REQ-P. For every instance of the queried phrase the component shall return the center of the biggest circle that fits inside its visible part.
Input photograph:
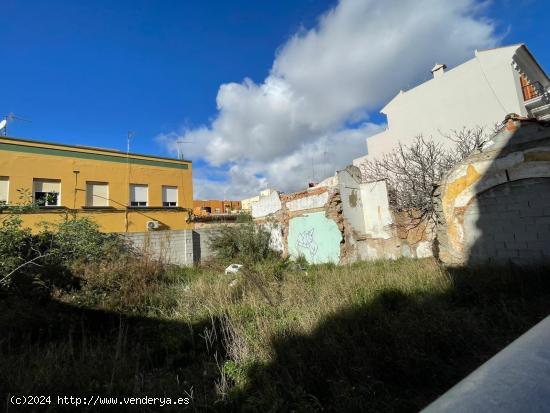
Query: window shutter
(169, 196)
(138, 195)
(47, 186)
(4, 185)
(97, 194)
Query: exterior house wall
(480, 92)
(246, 204)
(22, 161)
(222, 206)
(477, 93)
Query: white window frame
(138, 204)
(165, 202)
(7, 180)
(58, 194)
(90, 197)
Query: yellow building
(121, 192)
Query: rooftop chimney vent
(439, 69)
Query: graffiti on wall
(315, 237)
(307, 243)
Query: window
(138, 195)
(97, 194)
(169, 196)
(47, 192)
(4, 189)
(218, 210)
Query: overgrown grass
(379, 336)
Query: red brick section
(303, 194)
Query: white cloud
(359, 55)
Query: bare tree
(413, 171)
(469, 140)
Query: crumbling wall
(267, 205)
(344, 223)
(494, 207)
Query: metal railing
(532, 90)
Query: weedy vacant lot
(380, 336)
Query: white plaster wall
(480, 92)
(276, 241)
(308, 202)
(424, 249)
(246, 204)
(350, 194)
(376, 210)
(266, 205)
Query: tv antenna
(10, 117)
(128, 137)
(327, 167)
(179, 144)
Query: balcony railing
(532, 90)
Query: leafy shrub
(44, 260)
(244, 217)
(246, 242)
(14, 245)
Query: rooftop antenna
(327, 168)
(128, 137)
(10, 117)
(179, 144)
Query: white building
(246, 204)
(477, 93)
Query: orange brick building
(204, 207)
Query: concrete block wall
(184, 247)
(175, 247)
(201, 240)
(494, 207)
(510, 222)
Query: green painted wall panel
(316, 237)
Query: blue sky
(89, 71)
(86, 72)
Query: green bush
(244, 217)
(246, 242)
(14, 246)
(44, 260)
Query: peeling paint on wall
(349, 186)
(376, 210)
(308, 202)
(276, 241)
(315, 237)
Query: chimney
(438, 70)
